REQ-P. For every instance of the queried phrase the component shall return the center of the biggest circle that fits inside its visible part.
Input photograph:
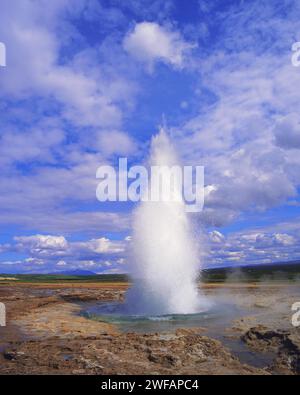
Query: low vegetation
(272, 272)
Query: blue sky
(88, 81)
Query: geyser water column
(165, 261)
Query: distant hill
(77, 272)
(271, 271)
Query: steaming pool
(215, 318)
(212, 323)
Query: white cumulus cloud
(149, 42)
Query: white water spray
(165, 262)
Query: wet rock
(285, 345)
(9, 355)
(262, 338)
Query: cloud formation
(55, 253)
(252, 247)
(87, 82)
(247, 135)
(149, 42)
(34, 66)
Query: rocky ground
(285, 344)
(46, 335)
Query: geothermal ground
(46, 334)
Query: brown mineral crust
(47, 335)
(284, 343)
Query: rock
(285, 345)
(78, 371)
(9, 355)
(261, 337)
(12, 355)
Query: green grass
(55, 278)
(272, 272)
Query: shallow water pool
(213, 323)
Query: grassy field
(56, 278)
(270, 272)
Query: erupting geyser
(165, 262)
